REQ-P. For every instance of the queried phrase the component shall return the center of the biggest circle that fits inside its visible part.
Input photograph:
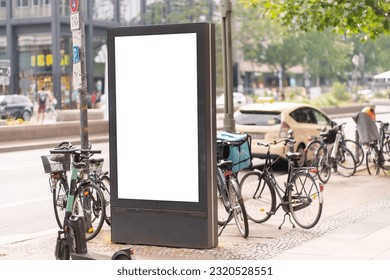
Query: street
(26, 203)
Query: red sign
(74, 5)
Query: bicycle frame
(268, 172)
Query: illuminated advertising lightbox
(162, 126)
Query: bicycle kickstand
(284, 219)
(223, 227)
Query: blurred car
(16, 106)
(366, 93)
(239, 99)
(271, 121)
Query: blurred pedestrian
(42, 95)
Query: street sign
(75, 21)
(76, 54)
(76, 37)
(77, 81)
(74, 5)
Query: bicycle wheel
(346, 164)
(386, 155)
(372, 161)
(104, 184)
(224, 216)
(324, 168)
(258, 195)
(238, 208)
(357, 151)
(310, 151)
(60, 197)
(305, 200)
(89, 203)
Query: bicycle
(329, 154)
(230, 202)
(351, 145)
(80, 197)
(301, 196)
(94, 172)
(378, 151)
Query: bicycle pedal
(90, 230)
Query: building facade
(36, 41)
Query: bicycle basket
(56, 163)
(329, 136)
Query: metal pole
(226, 10)
(77, 19)
(83, 91)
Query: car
(271, 121)
(239, 99)
(16, 106)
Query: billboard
(162, 132)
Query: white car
(239, 99)
(271, 121)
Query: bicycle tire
(372, 161)
(105, 185)
(346, 164)
(310, 153)
(224, 216)
(60, 198)
(324, 169)
(356, 149)
(89, 199)
(238, 208)
(258, 195)
(385, 160)
(305, 200)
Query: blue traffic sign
(76, 54)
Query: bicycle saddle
(295, 156)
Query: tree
(266, 42)
(368, 18)
(324, 55)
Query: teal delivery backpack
(239, 151)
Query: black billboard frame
(164, 222)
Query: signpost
(79, 65)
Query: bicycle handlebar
(285, 140)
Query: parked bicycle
(301, 195)
(378, 151)
(80, 197)
(230, 202)
(329, 153)
(94, 172)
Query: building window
(64, 8)
(3, 10)
(35, 62)
(31, 8)
(103, 10)
(130, 12)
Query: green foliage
(347, 17)
(337, 96)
